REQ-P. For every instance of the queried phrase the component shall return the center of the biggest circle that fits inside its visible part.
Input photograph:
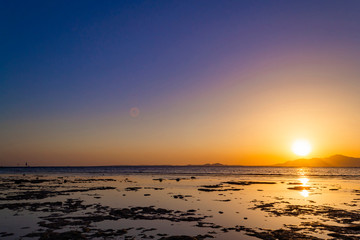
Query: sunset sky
(177, 82)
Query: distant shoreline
(334, 161)
(254, 166)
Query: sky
(177, 82)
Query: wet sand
(178, 207)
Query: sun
(301, 147)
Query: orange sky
(232, 82)
(228, 122)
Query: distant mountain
(213, 165)
(333, 161)
(208, 165)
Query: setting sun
(301, 147)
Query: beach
(173, 206)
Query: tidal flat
(136, 206)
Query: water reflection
(304, 193)
(302, 171)
(304, 180)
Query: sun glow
(301, 147)
(304, 181)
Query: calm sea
(187, 170)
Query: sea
(347, 173)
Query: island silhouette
(332, 161)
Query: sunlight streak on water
(348, 173)
(304, 193)
(301, 171)
(304, 181)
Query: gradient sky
(177, 82)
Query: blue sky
(90, 60)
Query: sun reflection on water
(304, 181)
(301, 171)
(304, 193)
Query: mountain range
(333, 161)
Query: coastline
(154, 206)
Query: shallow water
(310, 206)
(187, 170)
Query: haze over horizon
(177, 82)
